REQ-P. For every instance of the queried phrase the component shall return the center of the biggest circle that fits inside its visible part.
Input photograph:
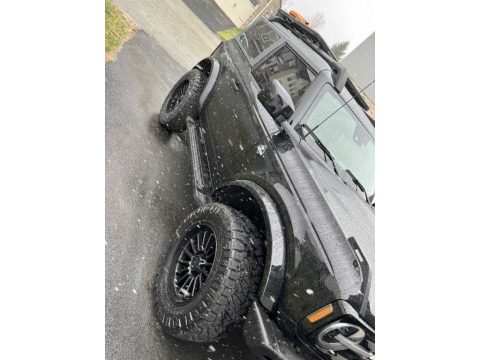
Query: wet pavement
(174, 26)
(147, 194)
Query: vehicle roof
(306, 53)
(320, 65)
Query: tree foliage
(287, 5)
(340, 48)
(318, 21)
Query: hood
(342, 215)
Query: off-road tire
(231, 286)
(175, 119)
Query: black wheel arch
(258, 205)
(210, 67)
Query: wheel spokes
(193, 246)
(177, 96)
(194, 263)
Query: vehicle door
(231, 121)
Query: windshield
(344, 136)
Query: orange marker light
(298, 16)
(320, 314)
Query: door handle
(235, 85)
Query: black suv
(282, 243)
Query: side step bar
(200, 188)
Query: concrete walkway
(174, 26)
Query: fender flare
(212, 67)
(273, 278)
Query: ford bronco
(282, 243)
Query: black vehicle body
(318, 228)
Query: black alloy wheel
(182, 101)
(177, 96)
(194, 263)
(210, 274)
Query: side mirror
(277, 101)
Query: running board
(200, 188)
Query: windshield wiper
(359, 185)
(329, 155)
(322, 146)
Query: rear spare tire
(182, 101)
(210, 274)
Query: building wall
(360, 64)
(210, 14)
(266, 7)
(237, 10)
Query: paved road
(147, 194)
(175, 28)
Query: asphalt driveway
(174, 27)
(147, 193)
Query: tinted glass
(345, 137)
(286, 67)
(258, 38)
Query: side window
(258, 38)
(286, 67)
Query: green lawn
(117, 29)
(229, 33)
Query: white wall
(360, 64)
(237, 10)
(346, 20)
